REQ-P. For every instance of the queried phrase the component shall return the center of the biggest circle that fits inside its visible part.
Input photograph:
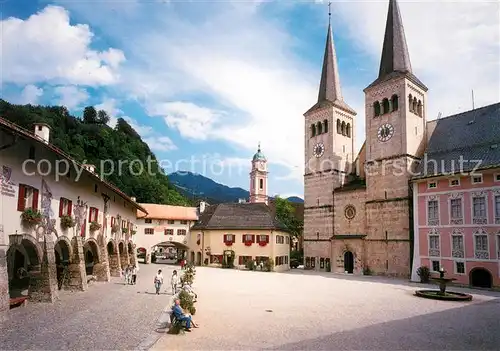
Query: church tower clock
(258, 178)
(329, 138)
(395, 107)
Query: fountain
(442, 294)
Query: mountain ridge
(196, 186)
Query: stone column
(115, 268)
(77, 275)
(4, 285)
(123, 259)
(101, 269)
(43, 277)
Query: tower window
(348, 130)
(313, 130)
(395, 102)
(342, 128)
(325, 126)
(261, 184)
(385, 105)
(339, 127)
(319, 128)
(343, 148)
(419, 108)
(415, 105)
(410, 103)
(376, 108)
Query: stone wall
(4, 285)
(344, 225)
(339, 247)
(43, 277)
(77, 276)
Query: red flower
(262, 243)
(248, 243)
(229, 243)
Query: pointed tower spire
(395, 56)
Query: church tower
(329, 138)
(258, 178)
(395, 107)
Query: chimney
(42, 131)
(133, 198)
(203, 204)
(90, 168)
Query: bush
(424, 273)
(192, 310)
(186, 300)
(269, 265)
(249, 265)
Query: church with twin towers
(357, 211)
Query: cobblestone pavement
(108, 316)
(241, 310)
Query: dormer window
(455, 182)
(477, 179)
(432, 185)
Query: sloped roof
(472, 136)
(17, 130)
(156, 211)
(243, 216)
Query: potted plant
(67, 222)
(424, 273)
(132, 232)
(94, 226)
(31, 216)
(114, 228)
(124, 230)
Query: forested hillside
(89, 139)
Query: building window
(248, 238)
(243, 260)
(435, 266)
(65, 207)
(313, 130)
(148, 221)
(497, 209)
(169, 232)
(455, 182)
(181, 231)
(456, 216)
(263, 238)
(261, 184)
(496, 177)
(184, 222)
(479, 210)
(376, 108)
(287, 240)
(93, 214)
(433, 212)
(31, 154)
(124, 223)
(481, 246)
(498, 246)
(149, 231)
(27, 198)
(459, 268)
(477, 179)
(431, 185)
(434, 245)
(457, 248)
(171, 221)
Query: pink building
(456, 199)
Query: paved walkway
(241, 310)
(108, 316)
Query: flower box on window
(229, 239)
(125, 230)
(31, 216)
(67, 222)
(94, 226)
(263, 240)
(114, 228)
(248, 239)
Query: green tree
(102, 117)
(285, 212)
(90, 115)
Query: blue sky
(204, 82)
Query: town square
(226, 177)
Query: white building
(163, 226)
(54, 218)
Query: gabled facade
(57, 224)
(456, 199)
(164, 226)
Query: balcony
(433, 222)
(456, 221)
(434, 252)
(479, 220)
(458, 253)
(482, 255)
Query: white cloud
(46, 47)
(31, 94)
(161, 143)
(71, 96)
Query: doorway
(348, 262)
(480, 278)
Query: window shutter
(20, 199)
(224, 238)
(267, 239)
(35, 199)
(70, 207)
(243, 238)
(234, 238)
(96, 215)
(112, 221)
(253, 238)
(240, 260)
(90, 214)
(61, 206)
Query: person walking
(135, 269)
(174, 281)
(158, 281)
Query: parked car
(294, 263)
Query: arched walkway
(91, 254)
(23, 259)
(348, 262)
(115, 267)
(480, 278)
(123, 254)
(62, 251)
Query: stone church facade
(357, 215)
